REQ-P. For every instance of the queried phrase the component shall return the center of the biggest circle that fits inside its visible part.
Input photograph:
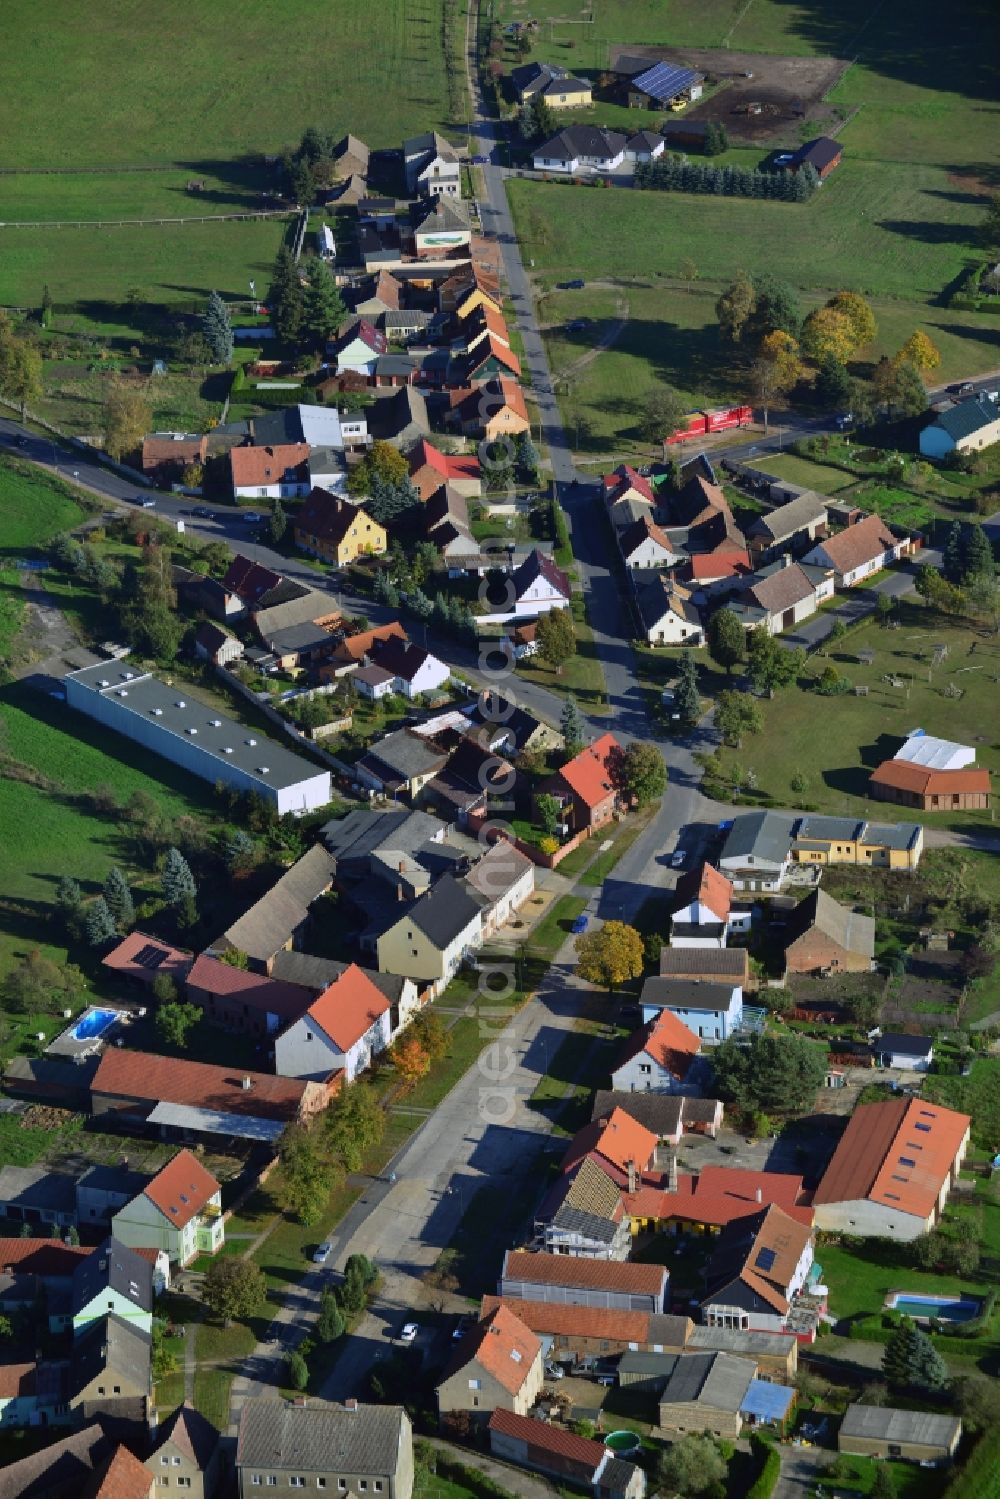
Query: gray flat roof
(212, 1122)
(765, 835)
(717, 1380)
(231, 743)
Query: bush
(764, 1484)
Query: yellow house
(543, 80)
(431, 940)
(844, 840)
(336, 530)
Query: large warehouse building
(182, 729)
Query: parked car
(844, 421)
(579, 925)
(322, 1252)
(479, 161)
(554, 1371)
(202, 512)
(460, 1329)
(146, 502)
(252, 517)
(677, 858)
(409, 1333)
(576, 285)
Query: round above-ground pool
(622, 1443)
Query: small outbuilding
(884, 1431)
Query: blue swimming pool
(93, 1023)
(943, 1308)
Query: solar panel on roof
(765, 1259)
(149, 956)
(665, 80)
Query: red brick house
(165, 455)
(586, 785)
(927, 789)
(826, 937)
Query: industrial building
(166, 721)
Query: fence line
(203, 218)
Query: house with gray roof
(825, 937)
(401, 762)
(34, 1194)
(704, 1394)
(782, 594)
(796, 523)
(544, 80)
(111, 1371)
(581, 150)
(966, 427)
(670, 1116)
(431, 166)
(757, 849)
(714, 1012)
(112, 1279)
(345, 1449)
(435, 935)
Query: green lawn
(582, 676)
(861, 1278)
(247, 77)
(92, 269)
(819, 476)
(978, 1095)
(858, 733)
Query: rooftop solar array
(665, 80)
(150, 956)
(765, 1259)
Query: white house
(644, 544)
(757, 850)
(645, 145)
(713, 1011)
(179, 1211)
(783, 595)
(857, 552)
(667, 614)
(278, 471)
(357, 350)
(659, 1058)
(533, 588)
(910, 1053)
(431, 166)
(965, 428)
(761, 1262)
(505, 878)
(413, 669)
(342, 1030)
(581, 150)
(701, 916)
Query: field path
(608, 339)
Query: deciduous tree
(410, 1060)
(726, 639)
(734, 307)
(643, 773)
(828, 332)
(307, 1173)
(919, 351)
(769, 663)
(662, 414)
(233, 1288)
(354, 1124)
(691, 1467)
(737, 714)
(555, 638)
(175, 1022)
(857, 309)
(549, 810)
(610, 956)
(127, 418)
(769, 1073)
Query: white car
(554, 1371)
(322, 1254)
(409, 1333)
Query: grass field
(859, 732)
(244, 77)
(94, 268)
(671, 337)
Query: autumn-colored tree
(734, 307)
(610, 956)
(919, 351)
(857, 310)
(127, 418)
(783, 350)
(828, 331)
(775, 370)
(410, 1060)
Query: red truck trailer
(698, 423)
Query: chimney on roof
(786, 560)
(759, 1195)
(247, 1083)
(350, 1404)
(631, 1175)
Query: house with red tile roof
(892, 1172)
(701, 914)
(856, 553)
(626, 483)
(280, 472)
(564, 1456)
(644, 544)
(176, 1095)
(659, 1058)
(141, 959)
(586, 786)
(342, 1030)
(179, 1212)
(239, 1000)
(487, 359)
(354, 649)
(357, 349)
(430, 469)
(726, 560)
(618, 1144)
(496, 1366)
(713, 1197)
(165, 455)
(496, 409)
(759, 1265)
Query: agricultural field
(860, 732)
(253, 75)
